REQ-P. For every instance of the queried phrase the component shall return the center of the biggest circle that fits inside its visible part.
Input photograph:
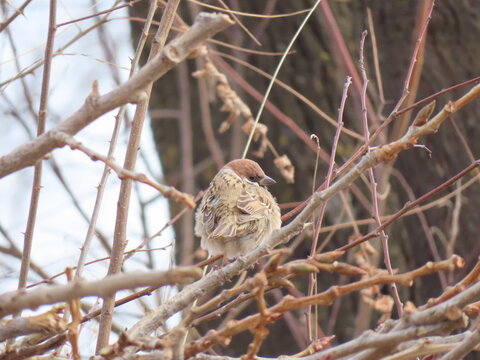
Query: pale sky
(60, 230)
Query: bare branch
(32, 299)
(205, 26)
(167, 191)
(152, 321)
(49, 322)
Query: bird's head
(250, 171)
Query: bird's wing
(208, 217)
(214, 224)
(254, 205)
(226, 228)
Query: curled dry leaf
(260, 129)
(370, 291)
(232, 103)
(383, 304)
(260, 133)
(260, 152)
(370, 250)
(228, 96)
(286, 168)
(363, 262)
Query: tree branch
(17, 300)
(205, 26)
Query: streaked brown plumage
(237, 213)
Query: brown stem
(18, 11)
(22, 299)
(186, 145)
(373, 182)
(131, 91)
(331, 164)
(215, 150)
(119, 237)
(324, 298)
(411, 205)
(37, 178)
(113, 142)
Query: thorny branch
(167, 191)
(50, 294)
(324, 298)
(384, 153)
(429, 323)
(96, 105)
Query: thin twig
(275, 74)
(18, 11)
(108, 11)
(240, 13)
(410, 205)
(37, 177)
(186, 157)
(130, 91)
(378, 73)
(123, 173)
(216, 278)
(373, 182)
(344, 56)
(423, 222)
(328, 178)
(235, 18)
(22, 299)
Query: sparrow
(237, 213)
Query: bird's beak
(267, 180)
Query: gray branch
(206, 25)
(49, 294)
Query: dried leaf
(232, 103)
(286, 168)
(48, 322)
(472, 309)
(383, 303)
(260, 133)
(260, 129)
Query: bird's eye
(251, 178)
